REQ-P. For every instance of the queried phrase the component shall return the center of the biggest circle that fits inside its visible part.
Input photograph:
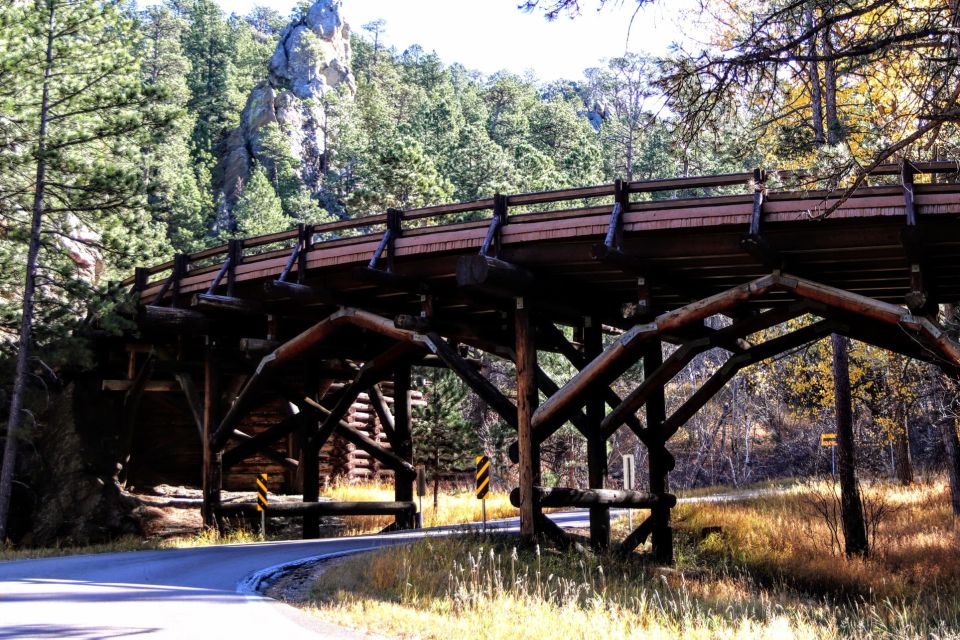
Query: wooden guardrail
(203, 261)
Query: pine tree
(443, 440)
(74, 162)
(258, 210)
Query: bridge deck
(687, 248)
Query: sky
(492, 35)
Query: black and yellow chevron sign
(483, 476)
(262, 492)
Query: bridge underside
(362, 310)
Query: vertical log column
(403, 444)
(596, 443)
(661, 533)
(212, 465)
(529, 466)
(310, 473)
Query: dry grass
(453, 507)
(767, 575)
(782, 537)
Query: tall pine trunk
(851, 507)
(816, 92)
(15, 421)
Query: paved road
(179, 593)
(206, 592)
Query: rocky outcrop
(312, 59)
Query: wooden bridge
(358, 302)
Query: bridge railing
(282, 243)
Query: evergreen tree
(258, 210)
(443, 440)
(74, 162)
(177, 198)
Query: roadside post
(483, 486)
(421, 490)
(629, 479)
(262, 493)
(830, 440)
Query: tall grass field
(773, 571)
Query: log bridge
(318, 315)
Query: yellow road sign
(262, 492)
(828, 439)
(483, 476)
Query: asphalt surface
(205, 592)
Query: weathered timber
(494, 275)
(473, 379)
(279, 289)
(131, 405)
(529, 465)
(266, 452)
(299, 346)
(596, 445)
(172, 319)
(358, 439)
(321, 509)
(579, 361)
(619, 356)
(403, 445)
(152, 386)
(379, 404)
(557, 497)
(390, 280)
(659, 461)
(226, 304)
(253, 347)
(638, 536)
(212, 470)
(731, 367)
(725, 337)
(194, 399)
(261, 441)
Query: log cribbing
(559, 497)
(299, 346)
(321, 508)
(619, 356)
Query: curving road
(206, 592)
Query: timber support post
(529, 450)
(596, 442)
(659, 462)
(310, 477)
(402, 442)
(212, 462)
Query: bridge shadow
(69, 631)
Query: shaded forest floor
(774, 570)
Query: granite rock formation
(312, 59)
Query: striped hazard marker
(483, 477)
(262, 492)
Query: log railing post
(662, 535)
(529, 466)
(403, 441)
(596, 442)
(212, 463)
